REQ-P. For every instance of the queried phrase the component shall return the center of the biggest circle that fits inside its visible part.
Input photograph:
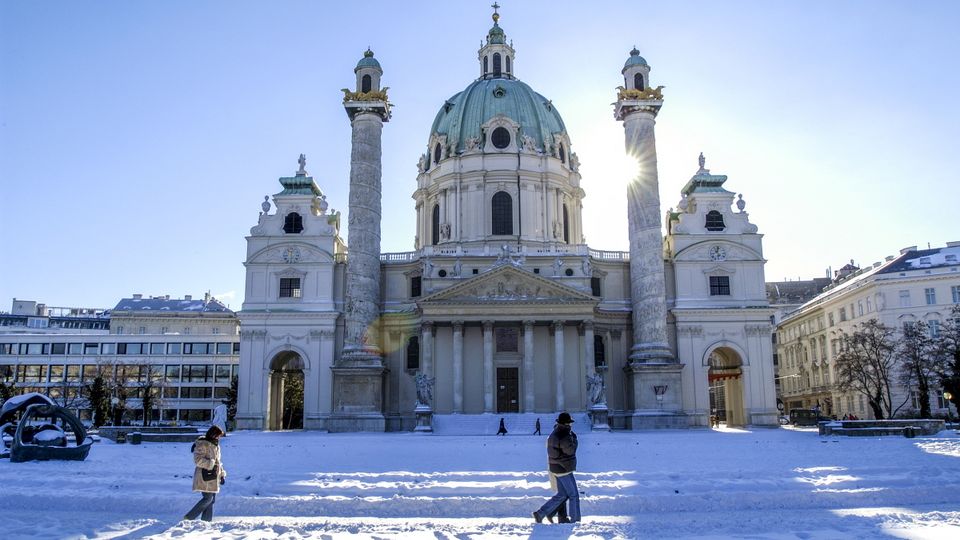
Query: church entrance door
(286, 392)
(725, 378)
(508, 390)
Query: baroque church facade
(502, 307)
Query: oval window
(500, 138)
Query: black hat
(564, 418)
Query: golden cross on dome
(496, 16)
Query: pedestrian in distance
(209, 473)
(537, 431)
(503, 428)
(562, 462)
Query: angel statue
(424, 389)
(596, 389)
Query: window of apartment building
(224, 348)
(955, 292)
(869, 306)
(90, 372)
(142, 330)
(863, 404)
(215, 330)
(196, 392)
(222, 373)
(290, 288)
(174, 348)
(31, 373)
(852, 312)
(195, 415)
(931, 295)
(830, 318)
(171, 374)
(860, 308)
(56, 373)
(197, 373)
(73, 373)
(171, 392)
(6, 348)
(108, 348)
(719, 285)
(156, 372)
(164, 329)
(119, 330)
(186, 331)
(904, 298)
(934, 326)
(58, 348)
(220, 392)
(91, 348)
(157, 348)
(415, 286)
(236, 347)
(75, 348)
(843, 314)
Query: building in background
(185, 351)
(916, 287)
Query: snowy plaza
(762, 483)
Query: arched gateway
(286, 392)
(725, 376)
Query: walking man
(562, 461)
(537, 431)
(503, 428)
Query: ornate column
(528, 358)
(588, 352)
(359, 376)
(652, 366)
(488, 366)
(558, 364)
(457, 366)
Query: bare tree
(867, 364)
(947, 352)
(151, 390)
(917, 363)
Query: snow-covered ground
(780, 483)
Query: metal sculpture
(36, 436)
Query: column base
(245, 422)
(358, 395)
(647, 379)
(770, 418)
(647, 420)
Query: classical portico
(507, 341)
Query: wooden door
(508, 390)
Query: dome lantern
(636, 72)
(368, 72)
(496, 56)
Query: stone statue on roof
(303, 164)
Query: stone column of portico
(588, 352)
(458, 366)
(558, 364)
(651, 362)
(427, 339)
(487, 366)
(528, 356)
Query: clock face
(291, 255)
(717, 253)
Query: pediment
(509, 284)
(291, 253)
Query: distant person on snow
(503, 428)
(562, 462)
(537, 431)
(209, 474)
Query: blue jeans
(566, 492)
(204, 505)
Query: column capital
(457, 326)
(528, 324)
(587, 324)
(558, 324)
(487, 326)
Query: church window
(436, 153)
(442, 273)
(413, 353)
(500, 138)
(719, 285)
(563, 155)
(714, 221)
(415, 286)
(293, 223)
(290, 288)
(486, 65)
(595, 286)
(365, 83)
(507, 339)
(638, 81)
(496, 64)
(566, 225)
(599, 352)
(435, 228)
(502, 213)
(507, 59)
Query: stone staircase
(489, 423)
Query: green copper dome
(461, 116)
(635, 59)
(368, 61)
(496, 35)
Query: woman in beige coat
(209, 474)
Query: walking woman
(209, 474)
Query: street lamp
(948, 396)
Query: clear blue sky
(137, 139)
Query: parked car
(804, 417)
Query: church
(502, 308)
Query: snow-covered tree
(867, 364)
(917, 363)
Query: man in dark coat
(562, 461)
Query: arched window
(638, 81)
(599, 353)
(496, 64)
(714, 221)
(566, 225)
(436, 224)
(293, 223)
(365, 83)
(562, 153)
(508, 65)
(436, 153)
(413, 353)
(501, 210)
(500, 138)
